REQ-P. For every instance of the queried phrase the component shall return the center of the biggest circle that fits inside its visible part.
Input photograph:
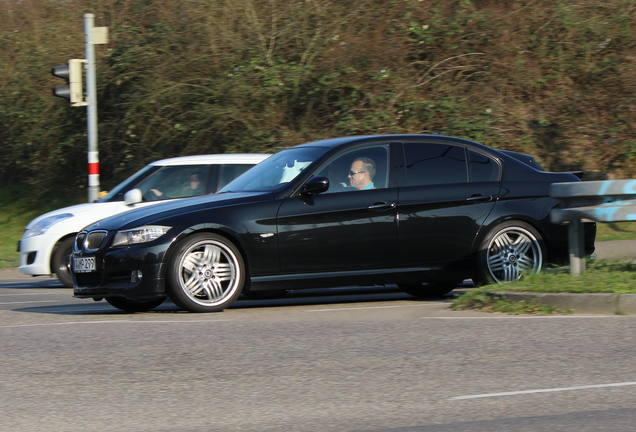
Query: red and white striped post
(93, 176)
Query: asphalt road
(355, 359)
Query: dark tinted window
(431, 164)
(482, 168)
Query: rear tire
(510, 250)
(59, 261)
(206, 273)
(134, 305)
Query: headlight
(40, 227)
(139, 235)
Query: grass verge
(599, 277)
(17, 208)
(482, 300)
(615, 231)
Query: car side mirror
(315, 185)
(133, 196)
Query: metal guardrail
(600, 201)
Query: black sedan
(424, 212)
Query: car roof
(334, 142)
(226, 158)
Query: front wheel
(206, 273)
(510, 250)
(59, 261)
(134, 305)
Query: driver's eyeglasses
(352, 173)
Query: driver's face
(194, 182)
(357, 178)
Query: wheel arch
(486, 229)
(230, 236)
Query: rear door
(448, 192)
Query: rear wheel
(59, 261)
(510, 250)
(206, 273)
(134, 305)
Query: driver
(361, 173)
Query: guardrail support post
(576, 247)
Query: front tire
(134, 305)
(510, 250)
(206, 273)
(59, 261)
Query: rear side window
(432, 164)
(482, 168)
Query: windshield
(276, 171)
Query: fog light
(136, 276)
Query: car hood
(79, 209)
(156, 213)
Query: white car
(48, 239)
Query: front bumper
(117, 273)
(35, 255)
(142, 289)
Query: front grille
(89, 242)
(94, 240)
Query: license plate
(84, 265)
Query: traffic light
(72, 73)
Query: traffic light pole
(74, 91)
(91, 109)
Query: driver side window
(359, 169)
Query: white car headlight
(41, 226)
(139, 235)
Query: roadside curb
(593, 303)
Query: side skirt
(342, 278)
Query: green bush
(550, 78)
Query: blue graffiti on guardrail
(609, 210)
(616, 187)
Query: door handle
(382, 206)
(479, 197)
